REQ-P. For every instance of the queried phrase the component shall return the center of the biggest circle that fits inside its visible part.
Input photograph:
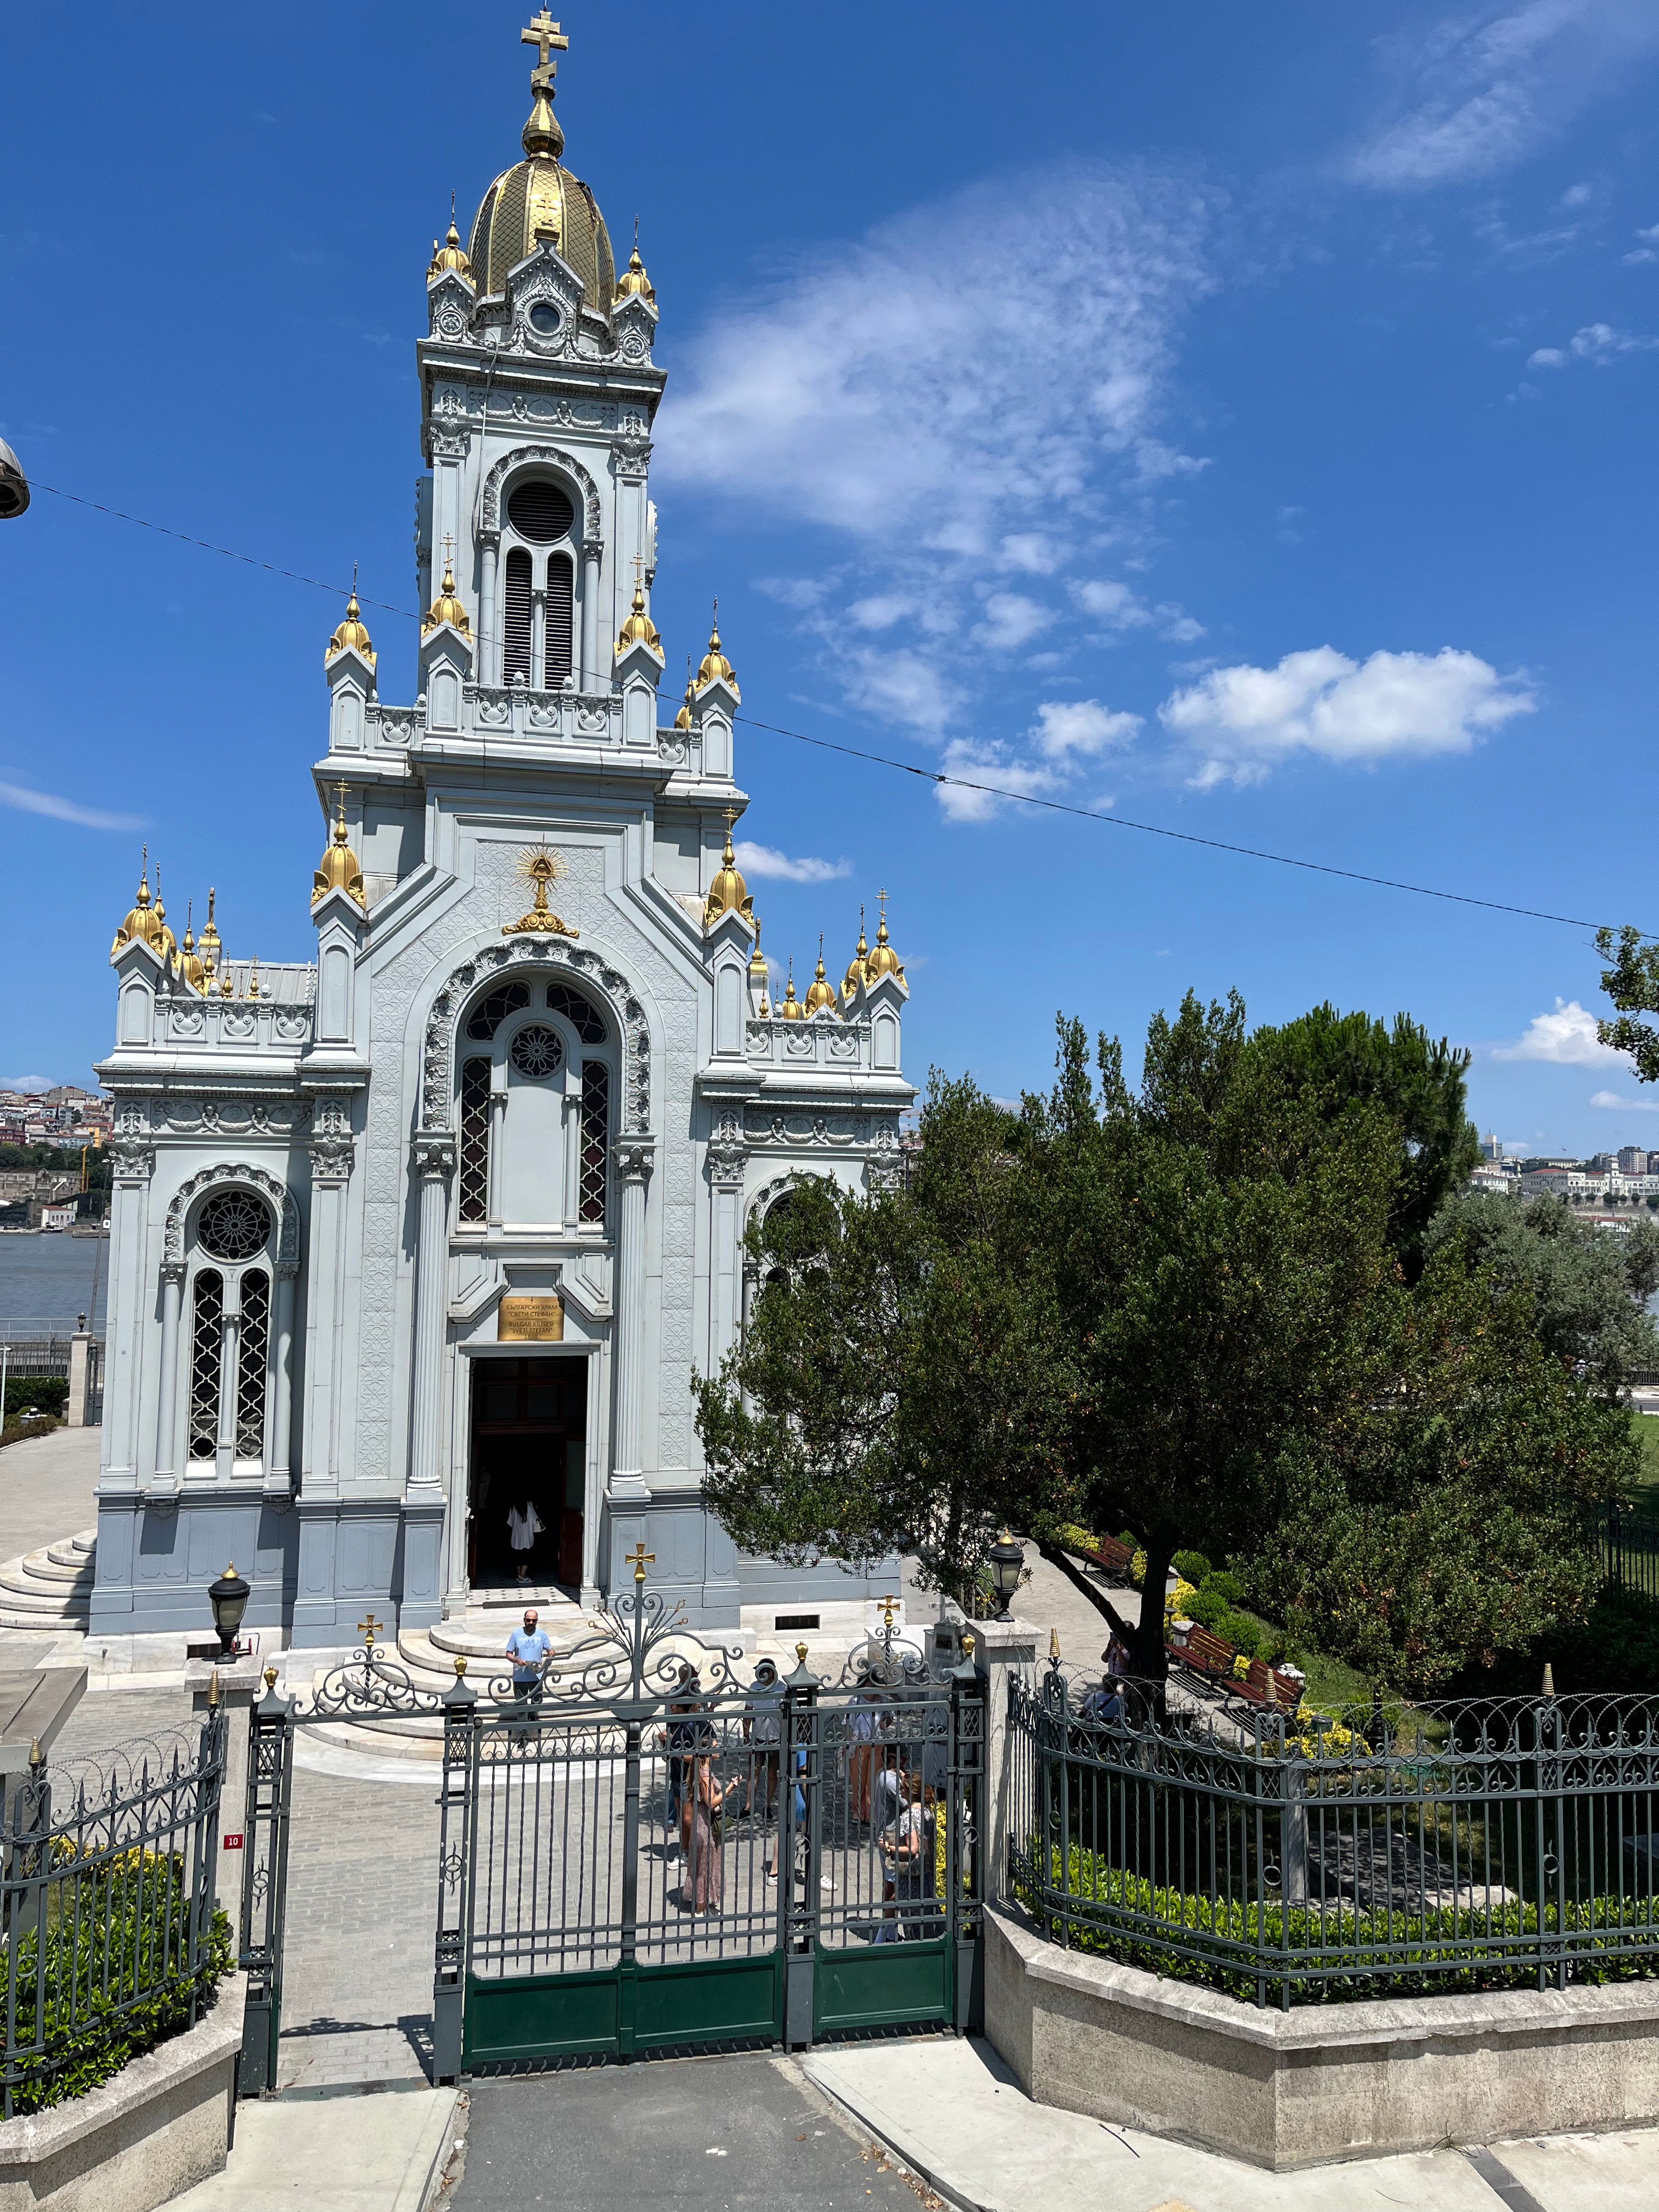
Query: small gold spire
(883, 960)
(790, 1010)
(351, 633)
(207, 944)
(682, 720)
(728, 893)
(714, 662)
(821, 992)
(337, 870)
(253, 978)
(226, 982)
(633, 284)
(447, 607)
(143, 924)
(165, 944)
(190, 962)
(542, 138)
(450, 255)
(639, 628)
(855, 979)
(757, 962)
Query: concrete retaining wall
(162, 2125)
(1321, 2082)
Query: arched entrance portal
(529, 1451)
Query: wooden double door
(529, 1450)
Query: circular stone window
(537, 1052)
(545, 319)
(233, 1225)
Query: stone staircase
(50, 1591)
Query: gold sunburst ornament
(540, 868)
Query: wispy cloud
(1487, 86)
(1598, 343)
(33, 1082)
(764, 861)
(1568, 1037)
(27, 801)
(1241, 722)
(1612, 1101)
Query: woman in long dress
(699, 1809)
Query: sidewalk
(334, 2154)
(953, 2113)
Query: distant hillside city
(1599, 1186)
(52, 1173)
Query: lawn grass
(1646, 1496)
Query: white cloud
(994, 763)
(766, 863)
(1242, 722)
(63, 809)
(1548, 357)
(903, 685)
(1567, 1037)
(1644, 252)
(1067, 728)
(31, 1083)
(1611, 1098)
(1031, 550)
(1597, 342)
(1121, 609)
(1484, 88)
(1011, 619)
(881, 611)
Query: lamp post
(228, 1597)
(1007, 1564)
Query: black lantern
(1007, 1563)
(228, 1597)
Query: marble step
(73, 1551)
(38, 1571)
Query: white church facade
(439, 1226)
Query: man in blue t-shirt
(528, 1648)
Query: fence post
(75, 1413)
(630, 1887)
(264, 1885)
(1003, 1650)
(801, 1910)
(964, 1855)
(457, 1802)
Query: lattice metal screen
(484, 1020)
(250, 1364)
(474, 1200)
(515, 618)
(596, 1141)
(207, 1316)
(586, 1019)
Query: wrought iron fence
(1629, 1545)
(111, 1939)
(1390, 1851)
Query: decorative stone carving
(432, 1154)
(521, 456)
(633, 1162)
(256, 1178)
(727, 1153)
(189, 1114)
(133, 1162)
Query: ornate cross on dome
(543, 34)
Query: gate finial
(639, 1559)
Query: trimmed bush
(1192, 1566)
(49, 1392)
(1226, 1586)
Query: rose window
(537, 1052)
(233, 1225)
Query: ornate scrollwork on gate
(886, 1659)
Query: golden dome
(855, 976)
(821, 992)
(446, 608)
(538, 198)
(190, 965)
(639, 628)
(728, 893)
(714, 662)
(337, 870)
(633, 284)
(350, 634)
(143, 924)
(449, 256)
(790, 1010)
(883, 960)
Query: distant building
(1633, 1161)
(58, 1216)
(1492, 1146)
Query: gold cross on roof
(639, 1559)
(543, 34)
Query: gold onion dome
(449, 256)
(639, 628)
(351, 634)
(821, 992)
(538, 198)
(791, 1010)
(633, 284)
(883, 960)
(337, 870)
(714, 662)
(190, 963)
(207, 944)
(165, 944)
(447, 607)
(728, 893)
(856, 972)
(143, 924)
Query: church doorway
(529, 1451)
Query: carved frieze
(186, 1114)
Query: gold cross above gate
(369, 1629)
(639, 1559)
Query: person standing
(529, 1648)
(524, 1525)
(700, 1824)
(762, 1726)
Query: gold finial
(883, 960)
(227, 987)
(757, 962)
(351, 633)
(854, 978)
(790, 1010)
(633, 284)
(447, 607)
(450, 255)
(542, 138)
(460, 1666)
(164, 940)
(1054, 1645)
(714, 662)
(271, 1678)
(338, 871)
(800, 1654)
(728, 893)
(540, 868)
(191, 965)
(639, 628)
(639, 1559)
(144, 923)
(253, 977)
(969, 1641)
(821, 992)
(682, 720)
(213, 1689)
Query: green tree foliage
(1585, 1284)
(900, 1381)
(1631, 981)
(1333, 1059)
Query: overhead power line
(1112, 819)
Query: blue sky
(1232, 417)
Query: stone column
(538, 640)
(592, 554)
(133, 1165)
(230, 1342)
(74, 1412)
(1002, 1649)
(433, 1157)
(632, 1164)
(279, 1478)
(166, 1418)
(489, 670)
(496, 1126)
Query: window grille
(487, 1018)
(596, 1141)
(206, 1315)
(475, 1140)
(560, 612)
(586, 1019)
(515, 618)
(537, 1052)
(250, 1364)
(235, 1226)
(540, 512)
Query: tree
(1631, 981)
(901, 1380)
(1587, 1288)
(1335, 1058)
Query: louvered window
(250, 1364)
(561, 591)
(596, 1141)
(585, 1019)
(475, 1140)
(515, 618)
(540, 512)
(207, 1315)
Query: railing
(111, 1939)
(1629, 1544)
(1394, 1851)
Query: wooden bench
(1111, 1557)
(1210, 1654)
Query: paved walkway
(348, 2154)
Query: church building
(436, 1227)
